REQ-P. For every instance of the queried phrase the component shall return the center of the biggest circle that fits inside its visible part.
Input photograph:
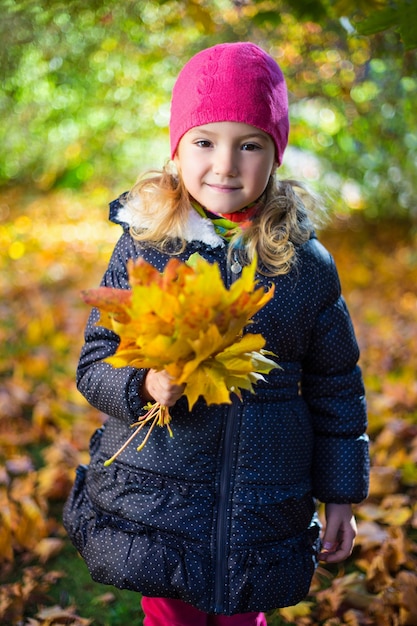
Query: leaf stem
(159, 414)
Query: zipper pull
(236, 266)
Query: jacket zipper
(224, 497)
(225, 475)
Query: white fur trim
(201, 229)
(196, 229)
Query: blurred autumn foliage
(57, 244)
(90, 84)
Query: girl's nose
(224, 162)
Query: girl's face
(225, 165)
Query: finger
(337, 550)
(328, 548)
(335, 557)
(159, 386)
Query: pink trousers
(166, 612)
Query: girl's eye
(203, 143)
(250, 147)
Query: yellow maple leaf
(210, 378)
(185, 321)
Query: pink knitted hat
(231, 82)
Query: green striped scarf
(224, 226)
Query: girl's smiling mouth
(222, 188)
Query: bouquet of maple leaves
(185, 321)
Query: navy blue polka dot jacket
(222, 515)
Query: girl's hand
(340, 533)
(158, 387)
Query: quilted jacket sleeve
(333, 388)
(115, 391)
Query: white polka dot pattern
(222, 515)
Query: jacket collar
(197, 228)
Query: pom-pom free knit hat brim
(232, 82)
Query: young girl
(219, 523)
